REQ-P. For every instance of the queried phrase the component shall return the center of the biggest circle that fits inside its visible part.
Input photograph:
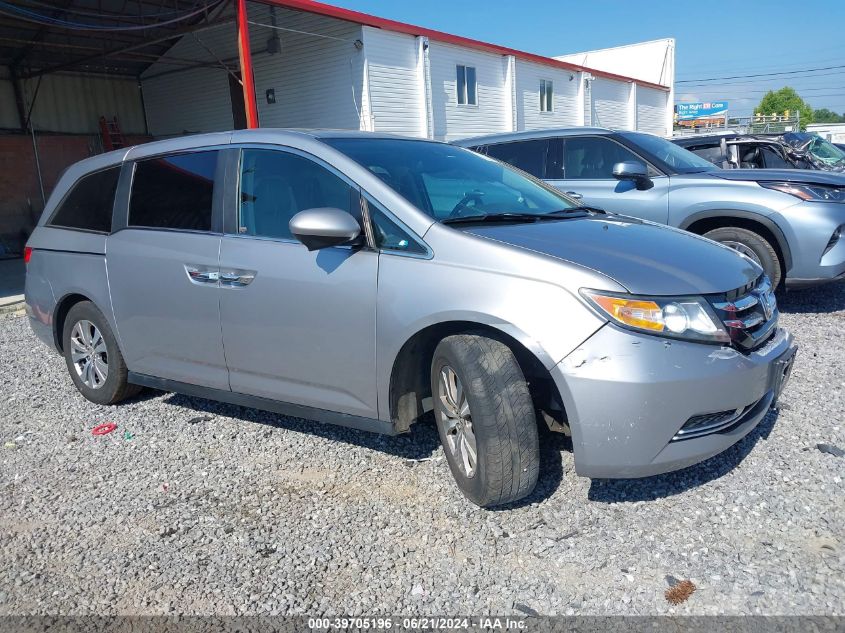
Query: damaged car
(366, 280)
(791, 150)
(819, 152)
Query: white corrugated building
(316, 65)
(313, 65)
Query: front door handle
(574, 194)
(236, 277)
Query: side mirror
(324, 227)
(632, 170)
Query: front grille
(749, 313)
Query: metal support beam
(17, 87)
(39, 35)
(126, 49)
(247, 81)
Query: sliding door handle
(202, 274)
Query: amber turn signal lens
(646, 315)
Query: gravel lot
(242, 511)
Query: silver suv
(790, 221)
(364, 280)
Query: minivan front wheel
(485, 418)
(753, 246)
(93, 358)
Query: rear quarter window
(88, 205)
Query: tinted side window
(276, 185)
(593, 158)
(174, 192)
(89, 204)
(711, 153)
(529, 156)
(773, 160)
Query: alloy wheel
(456, 421)
(89, 354)
(741, 248)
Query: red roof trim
(349, 15)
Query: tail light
(27, 254)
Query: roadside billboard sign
(705, 110)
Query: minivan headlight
(812, 193)
(689, 318)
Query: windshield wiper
(582, 207)
(492, 217)
(560, 214)
(523, 217)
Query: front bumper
(627, 395)
(809, 227)
(793, 283)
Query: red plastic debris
(104, 429)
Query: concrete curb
(16, 308)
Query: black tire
(759, 245)
(501, 416)
(115, 387)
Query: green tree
(823, 115)
(779, 101)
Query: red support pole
(245, 54)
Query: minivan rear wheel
(485, 418)
(752, 245)
(93, 358)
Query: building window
(467, 93)
(546, 96)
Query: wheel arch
(410, 383)
(60, 313)
(702, 222)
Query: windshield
(680, 160)
(825, 151)
(448, 182)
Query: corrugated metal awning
(112, 37)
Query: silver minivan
(365, 280)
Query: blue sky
(712, 40)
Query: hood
(645, 258)
(806, 176)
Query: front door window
(275, 186)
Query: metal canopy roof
(123, 37)
(114, 37)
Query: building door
(236, 93)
